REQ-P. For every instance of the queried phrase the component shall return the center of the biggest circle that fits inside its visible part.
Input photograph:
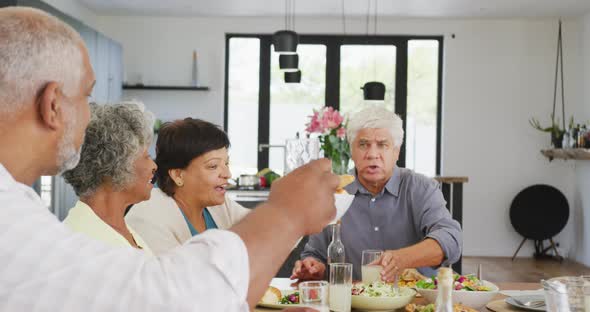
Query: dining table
(497, 304)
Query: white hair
(36, 48)
(67, 154)
(374, 117)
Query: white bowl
(342, 202)
(384, 303)
(473, 299)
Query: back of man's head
(35, 48)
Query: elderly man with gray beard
(394, 209)
(45, 81)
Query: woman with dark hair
(192, 158)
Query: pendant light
(293, 77)
(373, 90)
(289, 62)
(286, 41)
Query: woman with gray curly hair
(115, 171)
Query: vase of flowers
(331, 127)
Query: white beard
(67, 155)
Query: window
(262, 111)
(242, 104)
(360, 64)
(46, 189)
(292, 103)
(422, 122)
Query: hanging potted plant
(556, 132)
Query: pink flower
(331, 119)
(314, 124)
(341, 133)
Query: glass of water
(340, 287)
(314, 294)
(370, 270)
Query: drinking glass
(314, 294)
(370, 270)
(299, 152)
(340, 287)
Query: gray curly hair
(115, 137)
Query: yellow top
(81, 218)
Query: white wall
(581, 213)
(498, 74)
(75, 9)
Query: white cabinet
(101, 70)
(115, 75)
(108, 70)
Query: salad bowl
(468, 290)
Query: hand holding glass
(370, 270)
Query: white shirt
(46, 267)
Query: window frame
(332, 96)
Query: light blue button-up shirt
(409, 209)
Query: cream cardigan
(163, 227)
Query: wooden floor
(496, 269)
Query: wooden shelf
(452, 179)
(151, 87)
(567, 153)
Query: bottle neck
(336, 232)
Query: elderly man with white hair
(394, 209)
(45, 80)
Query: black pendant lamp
(374, 91)
(293, 77)
(286, 41)
(289, 62)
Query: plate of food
(275, 298)
(468, 290)
(380, 296)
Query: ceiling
(394, 8)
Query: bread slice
(345, 180)
(271, 296)
(412, 275)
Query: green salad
(375, 289)
(290, 298)
(461, 282)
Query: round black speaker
(539, 212)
